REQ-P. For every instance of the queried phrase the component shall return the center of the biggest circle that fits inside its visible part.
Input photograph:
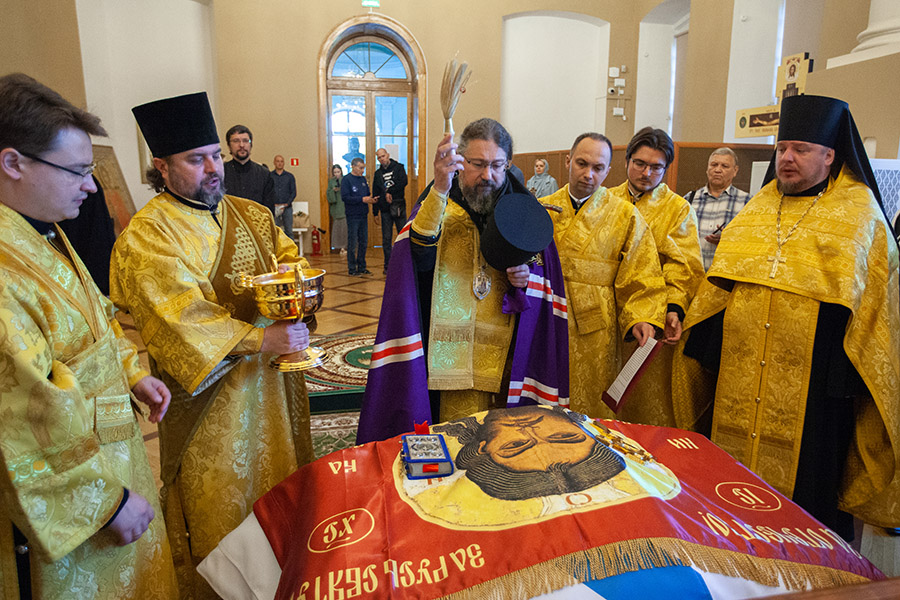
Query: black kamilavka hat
(827, 122)
(174, 125)
(518, 229)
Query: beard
(211, 196)
(481, 198)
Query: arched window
(372, 87)
(369, 59)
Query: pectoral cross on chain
(775, 260)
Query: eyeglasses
(81, 174)
(642, 166)
(497, 165)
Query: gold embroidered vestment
(843, 254)
(613, 281)
(226, 444)
(68, 435)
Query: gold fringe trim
(453, 333)
(635, 555)
(115, 433)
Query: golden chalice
(294, 294)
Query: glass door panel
(348, 129)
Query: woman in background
(542, 184)
(336, 208)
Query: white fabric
(243, 566)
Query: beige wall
(267, 54)
(702, 117)
(876, 114)
(40, 38)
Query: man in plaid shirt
(717, 202)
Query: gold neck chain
(781, 242)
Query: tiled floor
(352, 305)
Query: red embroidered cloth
(628, 497)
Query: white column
(880, 38)
(884, 25)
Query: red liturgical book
(621, 388)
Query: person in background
(389, 190)
(285, 193)
(356, 197)
(717, 202)
(243, 177)
(336, 208)
(92, 234)
(542, 183)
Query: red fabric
(337, 524)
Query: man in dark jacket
(243, 177)
(356, 197)
(388, 187)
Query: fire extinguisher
(316, 242)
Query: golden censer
(292, 295)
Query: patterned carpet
(335, 390)
(346, 367)
(333, 431)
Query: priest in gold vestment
(470, 337)
(800, 317)
(79, 515)
(236, 427)
(614, 284)
(674, 226)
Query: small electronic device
(425, 456)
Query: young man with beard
(674, 226)
(243, 177)
(236, 427)
(469, 320)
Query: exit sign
(295, 162)
(371, 3)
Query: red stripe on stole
(396, 350)
(546, 396)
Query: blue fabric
(661, 583)
(353, 189)
(357, 240)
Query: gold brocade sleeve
(679, 250)
(640, 290)
(58, 489)
(427, 221)
(609, 262)
(127, 350)
(674, 226)
(159, 272)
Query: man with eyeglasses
(236, 427)
(674, 226)
(453, 325)
(243, 177)
(614, 284)
(79, 515)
